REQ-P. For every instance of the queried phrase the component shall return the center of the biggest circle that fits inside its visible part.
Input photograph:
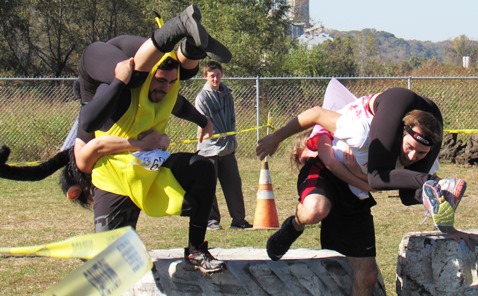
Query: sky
(423, 20)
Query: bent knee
(314, 209)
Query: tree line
(45, 38)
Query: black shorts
(349, 228)
(112, 211)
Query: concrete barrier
(250, 272)
(433, 264)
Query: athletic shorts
(112, 211)
(349, 228)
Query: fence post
(258, 107)
(410, 82)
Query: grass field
(37, 213)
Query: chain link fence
(37, 114)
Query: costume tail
(4, 154)
(31, 173)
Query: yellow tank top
(157, 193)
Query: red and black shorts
(349, 228)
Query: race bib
(151, 160)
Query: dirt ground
(458, 151)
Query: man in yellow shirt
(139, 98)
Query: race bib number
(151, 160)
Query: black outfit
(386, 134)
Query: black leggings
(386, 136)
(193, 172)
(99, 60)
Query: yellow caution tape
(187, 141)
(119, 260)
(215, 136)
(462, 131)
(25, 163)
(84, 246)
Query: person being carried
(75, 183)
(349, 145)
(347, 223)
(216, 102)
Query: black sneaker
(215, 50)
(243, 225)
(279, 243)
(190, 19)
(202, 260)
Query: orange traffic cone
(265, 216)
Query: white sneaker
(213, 225)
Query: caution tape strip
(118, 260)
(25, 163)
(215, 136)
(187, 141)
(461, 131)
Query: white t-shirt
(352, 130)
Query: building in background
(466, 62)
(301, 27)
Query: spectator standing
(216, 102)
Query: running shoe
(279, 243)
(213, 225)
(453, 190)
(437, 206)
(202, 260)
